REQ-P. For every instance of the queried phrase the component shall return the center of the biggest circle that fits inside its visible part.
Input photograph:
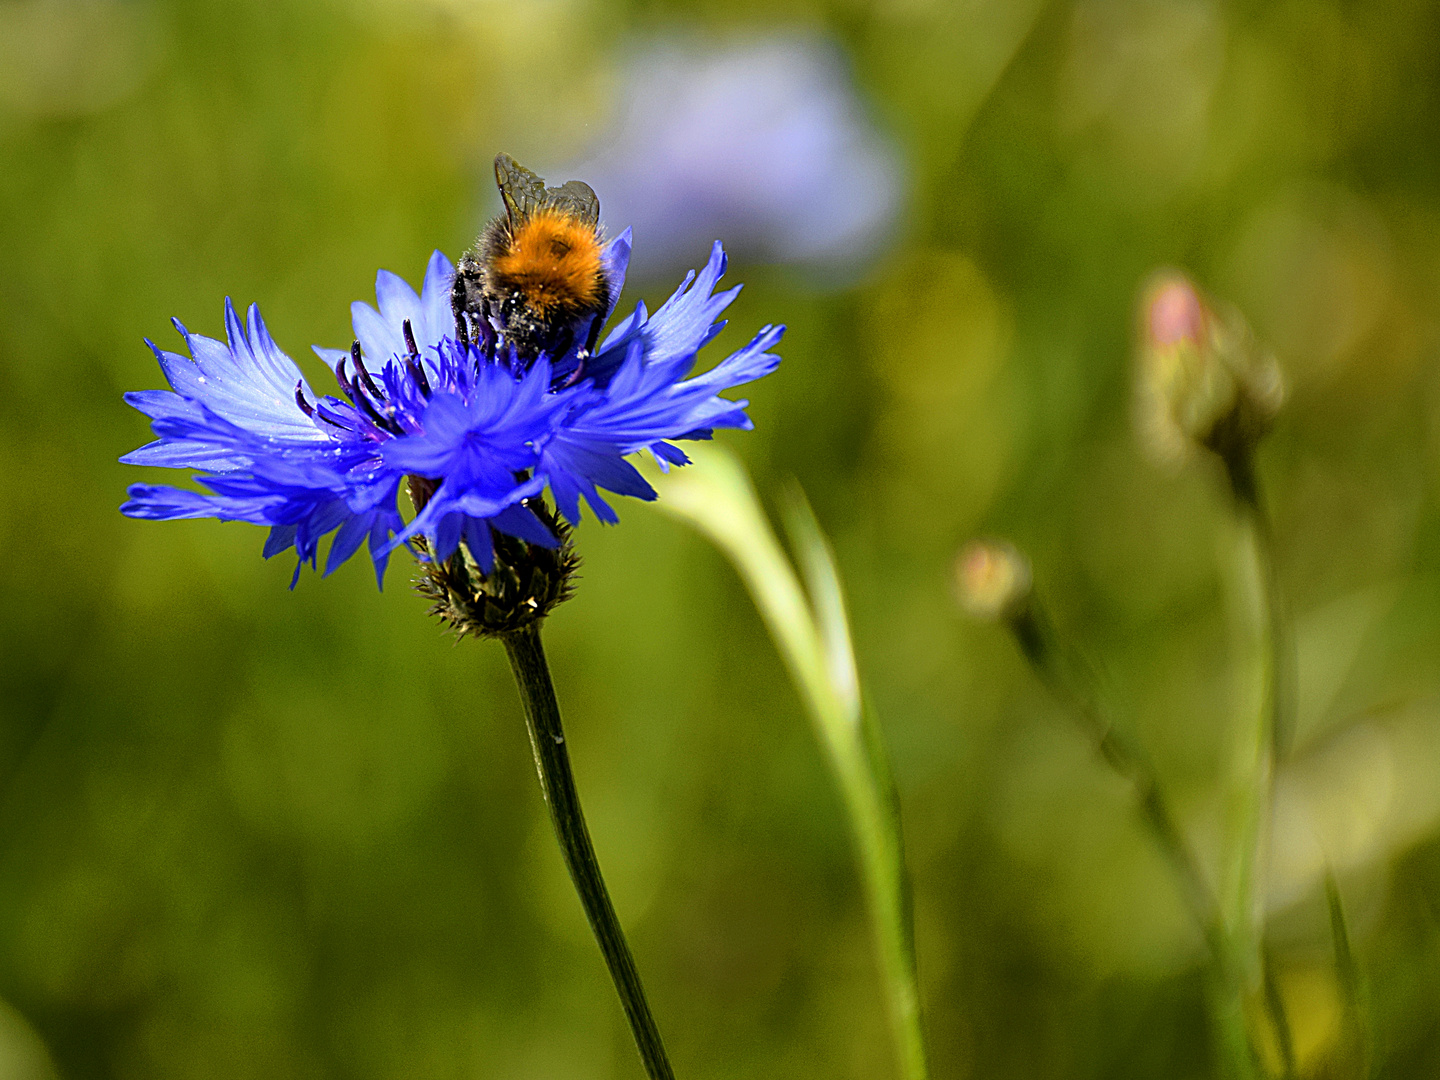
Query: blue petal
(331, 356)
(686, 321)
(380, 531)
(614, 261)
(280, 538)
(161, 503)
(477, 540)
(621, 336)
(447, 536)
(379, 340)
(347, 541)
(249, 383)
(520, 522)
(381, 333)
(667, 455)
(437, 319)
(644, 404)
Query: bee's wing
(523, 193)
(520, 189)
(576, 198)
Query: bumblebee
(535, 275)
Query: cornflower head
(766, 140)
(444, 403)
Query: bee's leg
(564, 342)
(464, 290)
(459, 295)
(472, 325)
(594, 335)
(581, 355)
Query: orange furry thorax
(554, 261)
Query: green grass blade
(812, 634)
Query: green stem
(552, 762)
(1275, 1008)
(868, 786)
(813, 639)
(1264, 744)
(1347, 970)
(1066, 678)
(1280, 674)
(850, 732)
(1032, 632)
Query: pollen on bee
(554, 260)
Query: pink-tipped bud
(1201, 378)
(992, 580)
(1175, 314)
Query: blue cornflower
(765, 141)
(475, 430)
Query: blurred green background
(252, 833)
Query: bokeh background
(246, 832)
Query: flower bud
(1201, 379)
(525, 582)
(992, 580)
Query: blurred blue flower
(477, 429)
(765, 143)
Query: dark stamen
(382, 422)
(363, 374)
(412, 362)
(345, 384)
(330, 418)
(305, 406)
(417, 372)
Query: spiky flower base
(525, 585)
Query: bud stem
(1240, 469)
(1072, 683)
(552, 762)
(1037, 641)
(1263, 748)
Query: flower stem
(1036, 639)
(1069, 681)
(1262, 745)
(552, 762)
(1279, 674)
